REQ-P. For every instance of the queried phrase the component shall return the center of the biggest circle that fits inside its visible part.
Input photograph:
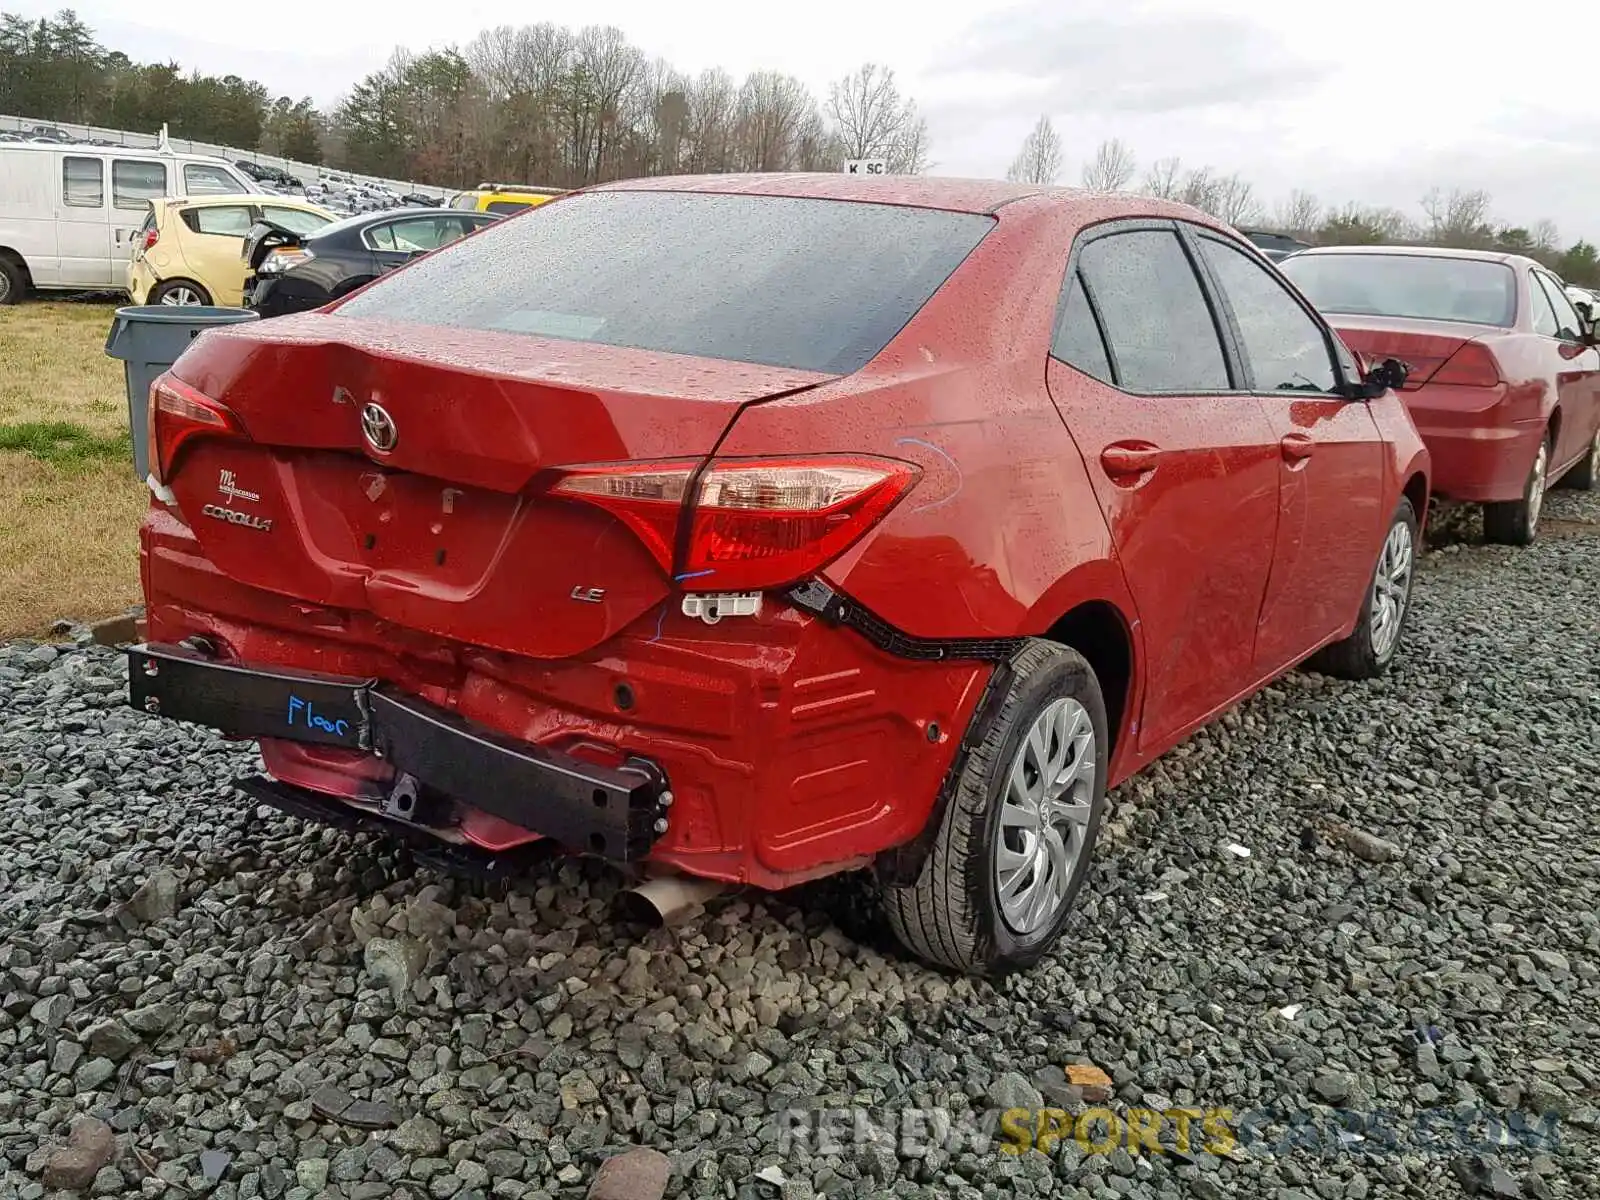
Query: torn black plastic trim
(817, 598)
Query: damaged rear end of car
(462, 554)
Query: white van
(68, 213)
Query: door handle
(1296, 446)
(1121, 459)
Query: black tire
(1586, 474)
(1516, 522)
(13, 282)
(159, 293)
(1358, 656)
(951, 916)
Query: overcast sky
(1372, 100)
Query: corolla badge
(378, 427)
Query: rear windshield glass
(1407, 285)
(818, 285)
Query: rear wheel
(1516, 522)
(13, 283)
(179, 292)
(1586, 474)
(1014, 844)
(1372, 646)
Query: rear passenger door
(1184, 465)
(1331, 501)
(83, 223)
(214, 251)
(134, 183)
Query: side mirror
(1390, 374)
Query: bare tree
(1546, 236)
(1459, 217)
(1300, 214)
(708, 127)
(772, 110)
(1164, 179)
(1235, 201)
(873, 120)
(1039, 160)
(912, 152)
(1111, 168)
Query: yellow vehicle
(503, 198)
(188, 249)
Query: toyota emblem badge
(377, 426)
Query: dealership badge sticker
(228, 485)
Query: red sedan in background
(1505, 380)
(765, 527)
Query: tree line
(1461, 217)
(545, 104)
(539, 104)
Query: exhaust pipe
(667, 899)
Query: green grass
(63, 443)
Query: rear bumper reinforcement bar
(609, 811)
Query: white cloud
(1372, 100)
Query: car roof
(1496, 256)
(914, 191)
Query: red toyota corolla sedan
(758, 528)
(1504, 383)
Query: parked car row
(1504, 380)
(69, 213)
(839, 522)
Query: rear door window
(83, 182)
(207, 179)
(1544, 316)
(1286, 349)
(1158, 323)
(229, 220)
(293, 219)
(1568, 325)
(1078, 341)
(819, 285)
(410, 235)
(133, 183)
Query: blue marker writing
(313, 720)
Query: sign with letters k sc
(866, 166)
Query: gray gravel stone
(520, 1035)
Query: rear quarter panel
(1002, 532)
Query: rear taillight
(755, 524)
(179, 415)
(1473, 365)
(151, 237)
(283, 258)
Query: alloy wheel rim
(1391, 588)
(1044, 817)
(181, 297)
(1536, 486)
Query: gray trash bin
(148, 338)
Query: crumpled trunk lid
(448, 531)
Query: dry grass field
(69, 504)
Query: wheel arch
(14, 257)
(1416, 491)
(1091, 610)
(169, 280)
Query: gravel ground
(1412, 940)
